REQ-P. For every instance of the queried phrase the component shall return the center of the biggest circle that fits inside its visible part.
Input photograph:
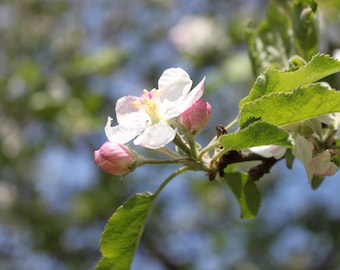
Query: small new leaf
(316, 181)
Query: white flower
(268, 151)
(319, 165)
(195, 34)
(146, 118)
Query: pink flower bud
(196, 117)
(115, 158)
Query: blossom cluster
(314, 145)
(171, 113)
(174, 112)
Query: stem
(182, 145)
(213, 143)
(168, 152)
(169, 178)
(143, 160)
(207, 149)
(217, 156)
(232, 124)
(193, 149)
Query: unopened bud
(115, 158)
(196, 117)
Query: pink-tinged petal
(176, 108)
(115, 158)
(121, 134)
(331, 170)
(156, 136)
(196, 117)
(174, 84)
(268, 151)
(321, 164)
(127, 113)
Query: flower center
(149, 103)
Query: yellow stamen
(148, 103)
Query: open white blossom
(146, 118)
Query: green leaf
(289, 28)
(271, 81)
(123, 231)
(246, 193)
(316, 181)
(258, 133)
(289, 158)
(305, 27)
(287, 108)
(270, 44)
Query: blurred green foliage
(62, 66)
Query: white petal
(321, 164)
(121, 134)
(176, 108)
(128, 114)
(268, 151)
(156, 136)
(303, 151)
(194, 95)
(174, 84)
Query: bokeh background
(63, 64)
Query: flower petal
(156, 136)
(303, 151)
(128, 115)
(194, 95)
(181, 105)
(174, 84)
(321, 164)
(121, 134)
(268, 151)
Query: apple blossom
(196, 117)
(319, 165)
(146, 119)
(115, 158)
(268, 151)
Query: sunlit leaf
(272, 80)
(258, 133)
(287, 108)
(123, 231)
(246, 193)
